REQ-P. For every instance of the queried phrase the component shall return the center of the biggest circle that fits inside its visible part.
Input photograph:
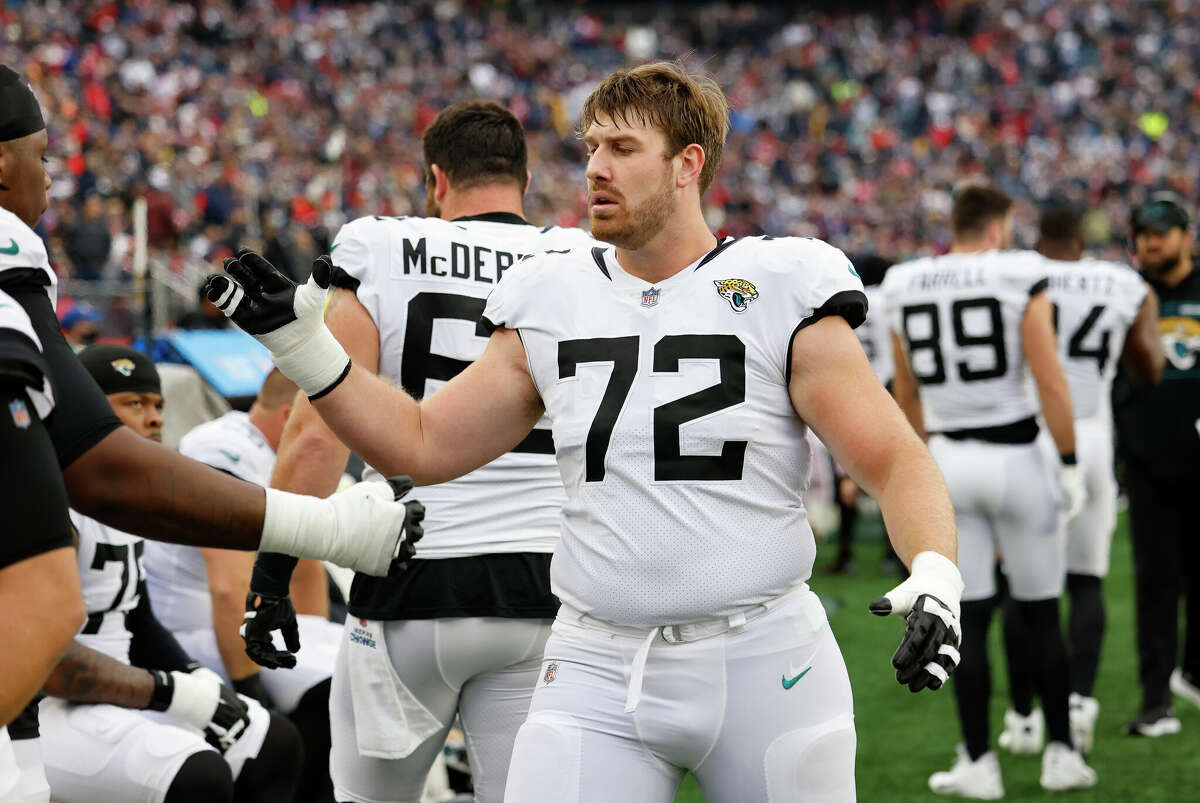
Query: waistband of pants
(1018, 432)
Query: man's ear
(691, 164)
(6, 158)
(441, 182)
(528, 182)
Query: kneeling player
(137, 720)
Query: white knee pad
(546, 760)
(813, 765)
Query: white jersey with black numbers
(1095, 303)
(22, 249)
(110, 573)
(423, 281)
(683, 458)
(176, 575)
(959, 317)
(876, 335)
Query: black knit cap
(20, 114)
(120, 369)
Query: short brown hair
(687, 107)
(975, 206)
(476, 142)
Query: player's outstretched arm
(834, 390)
(1142, 358)
(476, 417)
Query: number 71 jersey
(682, 456)
(959, 318)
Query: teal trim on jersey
(787, 684)
(12, 249)
(232, 457)
(853, 272)
(335, 245)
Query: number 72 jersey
(959, 318)
(682, 456)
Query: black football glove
(264, 615)
(413, 531)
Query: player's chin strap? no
(286, 318)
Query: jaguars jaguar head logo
(123, 366)
(738, 292)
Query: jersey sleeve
(509, 305)
(355, 254)
(821, 282)
(1025, 274)
(22, 363)
(223, 454)
(20, 246)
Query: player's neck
(971, 247)
(482, 200)
(260, 418)
(685, 239)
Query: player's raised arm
(444, 437)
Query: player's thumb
(224, 293)
(291, 636)
(322, 271)
(898, 601)
(401, 485)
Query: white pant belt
(673, 634)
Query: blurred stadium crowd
(274, 123)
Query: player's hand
(200, 699)
(285, 317)
(929, 602)
(264, 615)
(1073, 486)
(402, 523)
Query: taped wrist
(937, 575)
(317, 365)
(191, 698)
(301, 526)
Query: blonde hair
(687, 107)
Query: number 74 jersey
(682, 457)
(959, 319)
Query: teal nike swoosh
(335, 245)
(233, 457)
(787, 684)
(12, 249)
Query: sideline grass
(903, 738)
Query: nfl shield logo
(551, 672)
(20, 414)
(650, 297)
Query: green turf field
(903, 737)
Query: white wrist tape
(298, 525)
(196, 697)
(359, 528)
(934, 573)
(315, 365)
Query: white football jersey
(21, 248)
(959, 317)
(175, 574)
(26, 346)
(110, 571)
(1095, 303)
(683, 458)
(424, 281)
(876, 334)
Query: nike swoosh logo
(335, 245)
(787, 684)
(12, 249)
(233, 457)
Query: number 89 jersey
(959, 318)
(682, 456)
(423, 281)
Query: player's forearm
(144, 488)
(228, 580)
(916, 505)
(310, 589)
(1055, 396)
(85, 675)
(310, 459)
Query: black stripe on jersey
(850, 304)
(1038, 287)
(339, 278)
(488, 326)
(21, 362)
(721, 246)
(498, 217)
(23, 277)
(598, 255)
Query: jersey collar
(495, 217)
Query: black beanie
(20, 114)
(120, 369)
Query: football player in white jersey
(130, 482)
(199, 593)
(1105, 313)
(679, 373)
(130, 717)
(976, 361)
(464, 628)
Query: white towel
(389, 721)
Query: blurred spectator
(88, 241)
(80, 324)
(204, 316)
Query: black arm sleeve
(152, 645)
(82, 415)
(272, 575)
